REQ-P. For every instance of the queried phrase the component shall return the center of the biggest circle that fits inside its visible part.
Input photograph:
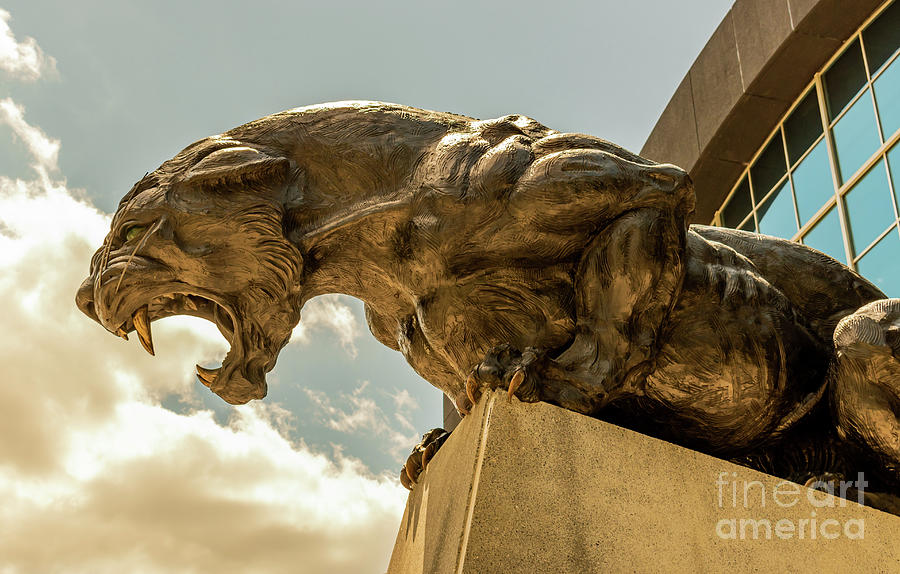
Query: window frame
(839, 190)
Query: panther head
(203, 235)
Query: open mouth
(176, 304)
(172, 304)
(242, 374)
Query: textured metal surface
(503, 254)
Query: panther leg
(626, 284)
(865, 382)
(422, 453)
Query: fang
(141, 319)
(207, 376)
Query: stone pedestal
(535, 488)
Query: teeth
(122, 333)
(207, 376)
(141, 319)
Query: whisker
(137, 247)
(107, 247)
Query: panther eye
(134, 231)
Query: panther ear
(235, 165)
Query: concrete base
(535, 488)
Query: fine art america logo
(785, 511)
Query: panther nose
(85, 299)
(669, 177)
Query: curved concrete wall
(752, 69)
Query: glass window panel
(880, 267)
(855, 137)
(894, 161)
(803, 126)
(887, 92)
(738, 206)
(882, 37)
(769, 167)
(869, 208)
(776, 213)
(826, 236)
(812, 182)
(844, 79)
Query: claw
(413, 466)
(471, 389)
(515, 383)
(405, 480)
(427, 454)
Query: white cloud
(44, 150)
(24, 60)
(362, 415)
(96, 476)
(152, 491)
(404, 401)
(328, 312)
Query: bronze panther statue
(501, 253)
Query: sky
(115, 461)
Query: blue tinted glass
(738, 206)
(880, 265)
(803, 126)
(844, 79)
(882, 37)
(856, 136)
(776, 214)
(887, 91)
(894, 160)
(769, 167)
(869, 208)
(826, 236)
(812, 182)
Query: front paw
(505, 367)
(421, 454)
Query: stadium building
(788, 122)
